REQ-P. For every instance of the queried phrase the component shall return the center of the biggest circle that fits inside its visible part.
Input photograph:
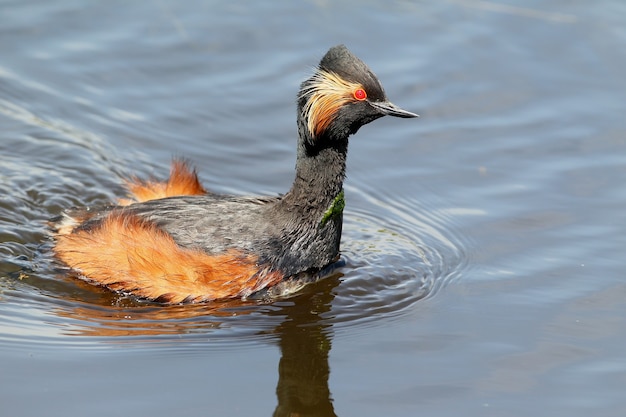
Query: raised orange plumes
(183, 180)
(328, 93)
(126, 253)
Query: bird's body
(174, 242)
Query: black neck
(320, 170)
(308, 219)
(319, 176)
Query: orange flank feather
(126, 253)
(183, 180)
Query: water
(483, 242)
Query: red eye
(360, 94)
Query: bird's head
(342, 95)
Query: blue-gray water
(484, 242)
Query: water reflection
(301, 326)
(303, 370)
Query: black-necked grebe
(173, 242)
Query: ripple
(395, 255)
(401, 254)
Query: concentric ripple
(393, 259)
(395, 253)
(401, 254)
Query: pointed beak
(389, 109)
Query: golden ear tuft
(327, 92)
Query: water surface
(483, 242)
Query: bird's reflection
(305, 342)
(298, 324)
